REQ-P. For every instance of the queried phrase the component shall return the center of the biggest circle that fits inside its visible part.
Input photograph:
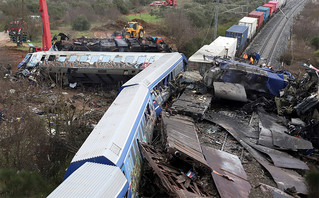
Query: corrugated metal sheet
(92, 180)
(182, 136)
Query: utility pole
(216, 19)
(247, 4)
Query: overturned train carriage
(112, 147)
(89, 67)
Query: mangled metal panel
(192, 104)
(284, 178)
(274, 191)
(175, 182)
(307, 104)
(235, 184)
(251, 77)
(182, 137)
(230, 91)
(281, 159)
(279, 137)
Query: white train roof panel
(156, 70)
(109, 136)
(92, 180)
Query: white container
(222, 47)
(251, 23)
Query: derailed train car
(108, 164)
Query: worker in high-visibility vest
(245, 56)
(251, 60)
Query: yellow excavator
(134, 30)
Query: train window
(62, 58)
(51, 58)
(135, 146)
(140, 133)
(72, 58)
(83, 58)
(130, 160)
(106, 59)
(129, 59)
(152, 59)
(117, 59)
(141, 59)
(143, 119)
(133, 155)
(94, 59)
(43, 58)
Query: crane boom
(46, 33)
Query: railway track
(267, 42)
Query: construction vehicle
(171, 2)
(166, 2)
(134, 30)
(17, 31)
(46, 32)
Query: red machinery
(171, 2)
(46, 35)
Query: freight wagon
(251, 23)
(259, 16)
(265, 10)
(271, 8)
(221, 47)
(239, 32)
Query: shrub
(286, 58)
(316, 53)
(315, 42)
(81, 23)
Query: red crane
(46, 33)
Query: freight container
(251, 23)
(259, 16)
(272, 8)
(240, 32)
(265, 10)
(222, 47)
(276, 3)
(281, 3)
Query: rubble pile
(272, 129)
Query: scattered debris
(228, 173)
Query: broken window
(140, 133)
(83, 58)
(62, 58)
(72, 58)
(106, 59)
(117, 59)
(141, 59)
(135, 146)
(51, 58)
(43, 58)
(129, 59)
(152, 59)
(94, 59)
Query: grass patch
(146, 17)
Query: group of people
(251, 58)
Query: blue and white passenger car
(112, 147)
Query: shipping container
(240, 32)
(251, 23)
(272, 8)
(259, 16)
(265, 10)
(222, 47)
(276, 3)
(281, 3)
